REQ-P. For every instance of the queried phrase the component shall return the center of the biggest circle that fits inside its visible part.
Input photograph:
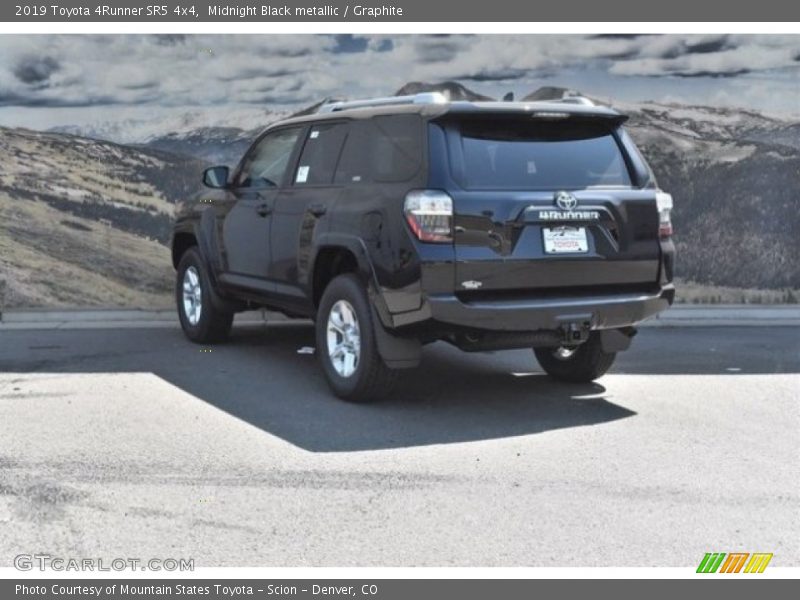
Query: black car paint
(262, 247)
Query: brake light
(664, 205)
(429, 214)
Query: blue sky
(51, 80)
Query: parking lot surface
(136, 443)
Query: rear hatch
(548, 204)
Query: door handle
(264, 209)
(317, 209)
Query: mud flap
(616, 340)
(397, 352)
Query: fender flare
(397, 352)
(356, 246)
(207, 242)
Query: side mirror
(216, 177)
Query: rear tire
(580, 364)
(346, 343)
(201, 320)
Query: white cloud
(222, 70)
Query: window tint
(382, 149)
(320, 154)
(544, 155)
(266, 164)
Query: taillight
(429, 214)
(664, 205)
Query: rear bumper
(606, 311)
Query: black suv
(397, 222)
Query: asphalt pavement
(135, 443)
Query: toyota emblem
(566, 201)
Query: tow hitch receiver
(574, 333)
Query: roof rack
(423, 98)
(429, 98)
(582, 100)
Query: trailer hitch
(574, 333)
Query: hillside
(733, 175)
(84, 222)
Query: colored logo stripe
(734, 562)
(711, 562)
(758, 562)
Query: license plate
(565, 240)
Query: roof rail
(423, 98)
(583, 100)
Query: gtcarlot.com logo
(44, 562)
(734, 562)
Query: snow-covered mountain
(140, 127)
(212, 145)
(451, 89)
(212, 135)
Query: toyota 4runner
(397, 222)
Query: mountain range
(85, 210)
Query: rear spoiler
(550, 111)
(613, 119)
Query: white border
(378, 573)
(382, 27)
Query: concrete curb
(118, 318)
(683, 315)
(741, 315)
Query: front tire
(579, 364)
(346, 343)
(201, 320)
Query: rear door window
(320, 154)
(517, 154)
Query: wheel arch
(182, 240)
(202, 235)
(335, 254)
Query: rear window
(504, 154)
(382, 149)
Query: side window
(320, 154)
(382, 149)
(354, 164)
(266, 164)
